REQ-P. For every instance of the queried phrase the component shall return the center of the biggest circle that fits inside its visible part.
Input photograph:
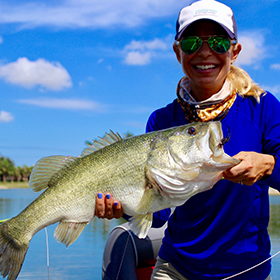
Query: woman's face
(206, 69)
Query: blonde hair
(243, 84)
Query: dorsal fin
(107, 140)
(45, 169)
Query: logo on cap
(205, 12)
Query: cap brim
(179, 35)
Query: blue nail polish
(108, 196)
(99, 195)
(116, 203)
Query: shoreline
(15, 185)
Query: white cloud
(156, 44)
(6, 117)
(141, 52)
(87, 13)
(76, 104)
(275, 66)
(68, 104)
(253, 50)
(26, 73)
(137, 58)
(274, 89)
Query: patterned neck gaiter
(214, 108)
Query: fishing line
(48, 256)
(122, 257)
(242, 272)
(129, 234)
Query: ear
(235, 52)
(177, 51)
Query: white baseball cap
(206, 9)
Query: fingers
(253, 167)
(118, 210)
(239, 174)
(99, 206)
(107, 207)
(109, 210)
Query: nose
(205, 50)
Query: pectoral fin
(46, 169)
(141, 224)
(67, 232)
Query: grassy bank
(15, 185)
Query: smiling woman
(92, 38)
(206, 69)
(206, 45)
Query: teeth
(205, 67)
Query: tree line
(9, 172)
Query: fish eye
(192, 131)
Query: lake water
(83, 259)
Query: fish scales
(145, 173)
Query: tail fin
(12, 254)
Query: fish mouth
(216, 139)
(225, 139)
(221, 160)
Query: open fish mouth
(225, 139)
(221, 159)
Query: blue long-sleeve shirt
(223, 231)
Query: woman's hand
(107, 207)
(253, 167)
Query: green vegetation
(274, 222)
(14, 185)
(18, 176)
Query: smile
(205, 67)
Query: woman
(223, 231)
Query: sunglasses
(218, 44)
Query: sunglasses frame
(232, 42)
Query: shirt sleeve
(271, 137)
(157, 121)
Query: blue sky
(72, 70)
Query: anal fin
(67, 231)
(141, 224)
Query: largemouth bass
(146, 173)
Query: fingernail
(99, 195)
(108, 196)
(116, 203)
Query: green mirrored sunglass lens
(219, 44)
(191, 44)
